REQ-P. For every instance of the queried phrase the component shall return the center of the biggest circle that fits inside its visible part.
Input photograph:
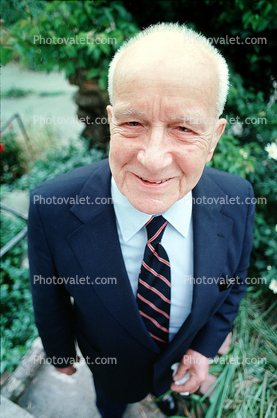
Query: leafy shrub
(103, 25)
(13, 10)
(12, 163)
(18, 155)
(246, 374)
(18, 330)
(57, 161)
(242, 150)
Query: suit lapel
(97, 248)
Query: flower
(2, 148)
(272, 150)
(244, 153)
(273, 285)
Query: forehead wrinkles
(155, 108)
(126, 110)
(161, 107)
(151, 95)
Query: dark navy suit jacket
(81, 240)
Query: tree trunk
(92, 102)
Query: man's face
(163, 131)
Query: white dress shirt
(177, 240)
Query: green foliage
(241, 150)
(18, 330)
(251, 361)
(15, 93)
(71, 36)
(230, 157)
(13, 10)
(12, 161)
(246, 374)
(58, 161)
(51, 93)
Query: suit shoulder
(69, 183)
(228, 182)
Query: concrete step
(56, 395)
(38, 388)
(9, 409)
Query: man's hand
(68, 370)
(197, 365)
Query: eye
(183, 129)
(133, 123)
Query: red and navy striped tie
(153, 294)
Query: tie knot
(155, 228)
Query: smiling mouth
(153, 182)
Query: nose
(154, 153)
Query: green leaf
(93, 72)
(6, 55)
(70, 68)
(103, 82)
(96, 53)
(71, 50)
(118, 35)
(105, 48)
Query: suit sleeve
(52, 305)
(212, 335)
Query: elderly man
(174, 234)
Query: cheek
(192, 162)
(188, 158)
(121, 152)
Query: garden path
(51, 100)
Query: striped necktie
(153, 294)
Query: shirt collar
(131, 220)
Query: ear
(110, 113)
(220, 126)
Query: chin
(151, 207)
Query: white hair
(190, 36)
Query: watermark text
(74, 280)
